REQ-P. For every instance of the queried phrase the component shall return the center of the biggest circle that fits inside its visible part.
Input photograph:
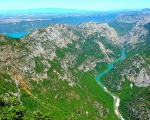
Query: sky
(74, 4)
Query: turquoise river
(116, 98)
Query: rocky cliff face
(138, 33)
(1, 38)
(133, 16)
(103, 30)
(138, 71)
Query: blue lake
(16, 35)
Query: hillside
(51, 72)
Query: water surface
(16, 35)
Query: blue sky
(74, 4)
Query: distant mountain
(46, 11)
(146, 9)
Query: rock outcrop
(102, 29)
(138, 33)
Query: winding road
(116, 98)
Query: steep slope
(69, 44)
(138, 33)
(52, 70)
(121, 27)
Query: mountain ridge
(47, 11)
(45, 61)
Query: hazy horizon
(93, 5)
(71, 9)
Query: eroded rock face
(132, 18)
(88, 64)
(138, 33)
(143, 78)
(1, 38)
(136, 69)
(68, 61)
(137, 73)
(104, 51)
(103, 30)
(59, 35)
